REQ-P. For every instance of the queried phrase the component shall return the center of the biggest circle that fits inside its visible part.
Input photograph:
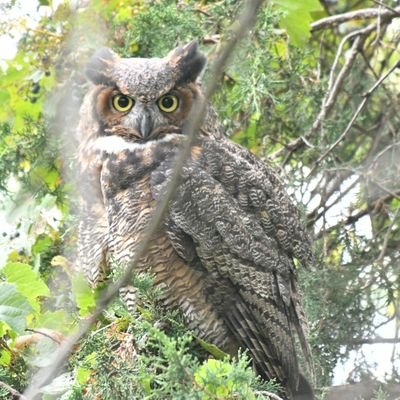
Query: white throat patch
(117, 144)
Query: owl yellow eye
(168, 103)
(122, 103)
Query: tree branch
(240, 28)
(272, 396)
(386, 16)
(366, 13)
(12, 391)
(374, 341)
(361, 106)
(332, 90)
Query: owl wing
(93, 233)
(231, 217)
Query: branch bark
(361, 106)
(12, 391)
(374, 341)
(366, 13)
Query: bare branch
(314, 215)
(361, 106)
(351, 219)
(272, 396)
(240, 28)
(332, 91)
(12, 391)
(366, 13)
(382, 4)
(374, 341)
(299, 142)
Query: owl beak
(145, 125)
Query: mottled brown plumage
(225, 253)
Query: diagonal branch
(366, 13)
(374, 341)
(334, 86)
(361, 106)
(240, 29)
(12, 391)
(386, 17)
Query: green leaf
(84, 296)
(212, 349)
(48, 176)
(27, 282)
(5, 357)
(58, 320)
(42, 244)
(14, 307)
(82, 375)
(298, 18)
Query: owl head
(143, 99)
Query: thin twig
(382, 4)
(333, 89)
(269, 394)
(374, 341)
(300, 142)
(240, 28)
(365, 13)
(361, 106)
(12, 391)
(45, 334)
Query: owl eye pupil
(167, 102)
(123, 101)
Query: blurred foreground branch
(239, 30)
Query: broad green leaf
(14, 307)
(298, 18)
(5, 357)
(58, 320)
(84, 296)
(42, 244)
(4, 96)
(48, 176)
(27, 282)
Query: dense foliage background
(299, 93)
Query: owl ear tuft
(188, 61)
(99, 67)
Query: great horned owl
(225, 253)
